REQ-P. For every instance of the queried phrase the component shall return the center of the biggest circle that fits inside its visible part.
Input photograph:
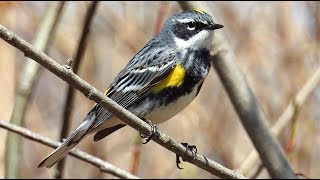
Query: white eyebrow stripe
(186, 20)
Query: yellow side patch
(174, 79)
(106, 92)
(199, 11)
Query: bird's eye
(192, 25)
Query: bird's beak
(214, 26)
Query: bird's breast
(167, 110)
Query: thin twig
(102, 165)
(135, 157)
(130, 119)
(293, 133)
(24, 89)
(70, 92)
(285, 117)
(161, 12)
(258, 171)
(245, 103)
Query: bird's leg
(193, 149)
(154, 131)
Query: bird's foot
(193, 150)
(154, 132)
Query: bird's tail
(80, 133)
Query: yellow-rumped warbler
(157, 83)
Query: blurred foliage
(276, 45)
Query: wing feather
(135, 80)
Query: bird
(161, 80)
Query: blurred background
(276, 47)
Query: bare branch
(68, 106)
(135, 157)
(161, 12)
(89, 91)
(246, 104)
(25, 86)
(102, 165)
(257, 172)
(285, 117)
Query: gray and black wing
(134, 82)
(148, 67)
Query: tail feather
(62, 150)
(107, 131)
(80, 133)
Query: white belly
(159, 115)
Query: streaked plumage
(157, 83)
